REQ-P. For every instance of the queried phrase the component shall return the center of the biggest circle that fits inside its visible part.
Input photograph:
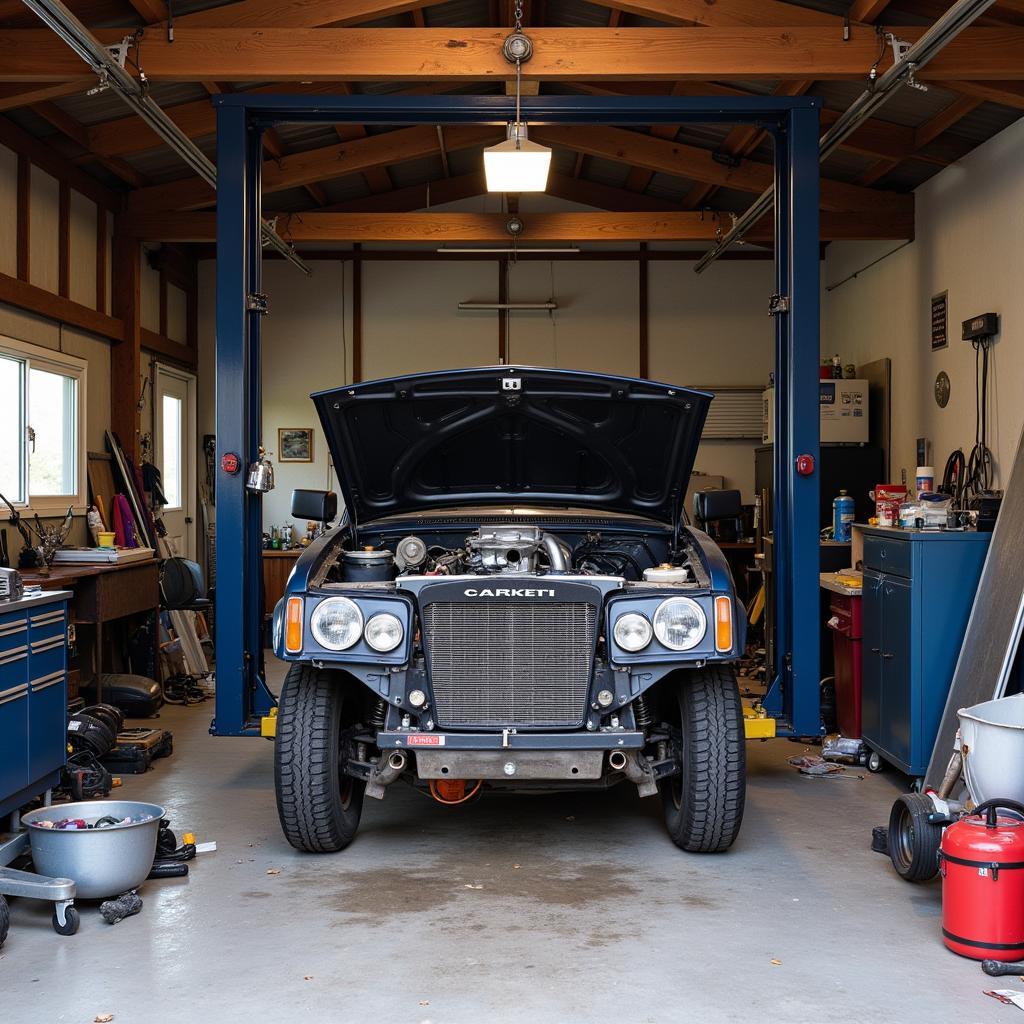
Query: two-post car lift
(243, 698)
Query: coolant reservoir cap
(666, 573)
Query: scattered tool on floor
(124, 906)
(997, 968)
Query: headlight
(384, 632)
(632, 631)
(336, 623)
(680, 623)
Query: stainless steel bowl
(103, 861)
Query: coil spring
(641, 712)
(377, 715)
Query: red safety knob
(230, 463)
(805, 465)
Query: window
(170, 441)
(42, 427)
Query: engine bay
(510, 548)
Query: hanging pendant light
(517, 164)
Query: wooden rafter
(734, 14)
(322, 164)
(437, 228)
(562, 54)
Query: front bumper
(509, 739)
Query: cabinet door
(871, 680)
(13, 739)
(896, 615)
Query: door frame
(190, 450)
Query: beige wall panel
(8, 212)
(44, 220)
(83, 250)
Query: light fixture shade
(517, 164)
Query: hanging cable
(979, 462)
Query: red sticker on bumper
(425, 740)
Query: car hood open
(512, 433)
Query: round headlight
(384, 632)
(680, 623)
(336, 623)
(632, 631)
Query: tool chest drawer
(889, 554)
(13, 631)
(33, 696)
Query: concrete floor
(542, 909)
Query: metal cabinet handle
(876, 650)
(888, 655)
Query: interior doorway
(174, 440)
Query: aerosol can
(842, 517)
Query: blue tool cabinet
(918, 590)
(33, 695)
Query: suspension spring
(641, 712)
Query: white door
(174, 452)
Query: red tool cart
(847, 632)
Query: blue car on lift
(512, 599)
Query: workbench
(104, 594)
(33, 695)
(277, 567)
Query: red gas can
(982, 865)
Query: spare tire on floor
(913, 839)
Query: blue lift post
(242, 694)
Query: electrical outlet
(903, 476)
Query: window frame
(53, 361)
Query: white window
(42, 427)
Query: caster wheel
(71, 922)
(5, 920)
(875, 763)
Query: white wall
(704, 330)
(969, 241)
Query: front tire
(318, 804)
(703, 804)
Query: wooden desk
(105, 593)
(277, 567)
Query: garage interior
(210, 212)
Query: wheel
(318, 804)
(5, 920)
(913, 839)
(703, 803)
(875, 763)
(71, 922)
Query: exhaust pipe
(637, 770)
(384, 775)
(617, 760)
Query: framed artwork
(294, 444)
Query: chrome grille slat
(503, 664)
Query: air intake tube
(558, 554)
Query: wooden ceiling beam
(725, 13)
(297, 13)
(322, 164)
(24, 94)
(1008, 94)
(683, 161)
(561, 54)
(437, 228)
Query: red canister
(982, 864)
(888, 498)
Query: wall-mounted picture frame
(294, 444)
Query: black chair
(182, 587)
(719, 513)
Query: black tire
(71, 922)
(913, 839)
(319, 806)
(5, 920)
(704, 803)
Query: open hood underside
(510, 433)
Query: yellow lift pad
(757, 725)
(268, 725)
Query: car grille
(503, 665)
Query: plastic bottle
(842, 517)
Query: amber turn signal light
(723, 623)
(293, 625)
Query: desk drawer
(13, 631)
(46, 623)
(889, 554)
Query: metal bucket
(103, 861)
(992, 744)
